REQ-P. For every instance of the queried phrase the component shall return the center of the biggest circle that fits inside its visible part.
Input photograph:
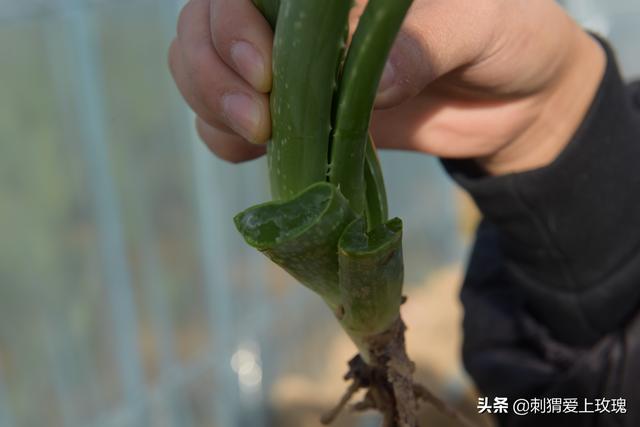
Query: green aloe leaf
(376, 208)
(363, 67)
(307, 50)
(269, 9)
(371, 275)
(301, 235)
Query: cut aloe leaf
(371, 275)
(301, 235)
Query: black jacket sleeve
(552, 292)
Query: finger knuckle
(228, 154)
(200, 64)
(201, 74)
(173, 56)
(220, 31)
(184, 18)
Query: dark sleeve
(552, 292)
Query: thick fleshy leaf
(301, 235)
(376, 210)
(371, 275)
(307, 50)
(269, 9)
(357, 89)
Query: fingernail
(249, 63)
(388, 78)
(242, 113)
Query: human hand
(221, 63)
(504, 82)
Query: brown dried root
(388, 379)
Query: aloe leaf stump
(328, 223)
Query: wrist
(562, 106)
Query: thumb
(406, 73)
(437, 37)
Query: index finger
(243, 39)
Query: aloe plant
(328, 224)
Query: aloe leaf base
(358, 272)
